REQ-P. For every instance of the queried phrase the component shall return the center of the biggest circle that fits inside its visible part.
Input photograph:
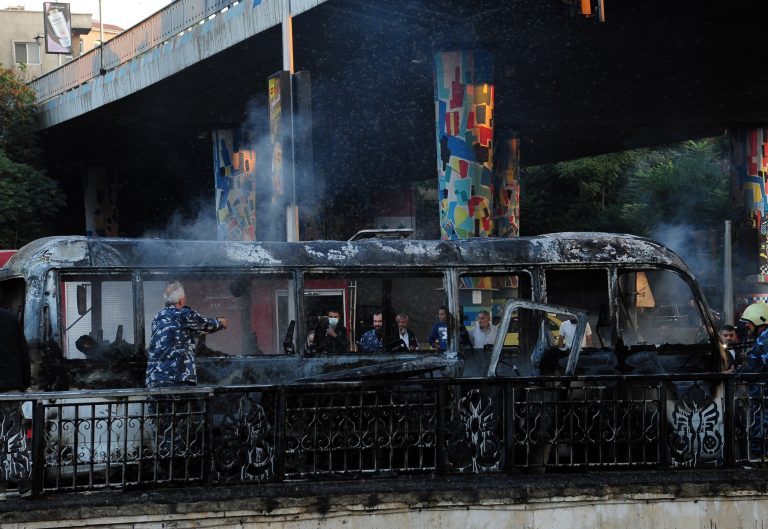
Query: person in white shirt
(483, 333)
(567, 331)
(406, 335)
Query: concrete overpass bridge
(567, 85)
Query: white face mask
(333, 322)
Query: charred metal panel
(583, 249)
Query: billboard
(58, 28)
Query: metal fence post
(509, 426)
(663, 435)
(728, 423)
(208, 468)
(441, 460)
(280, 433)
(38, 436)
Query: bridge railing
(82, 441)
(139, 39)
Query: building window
(26, 53)
(82, 47)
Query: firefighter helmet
(757, 313)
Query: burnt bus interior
(641, 321)
(87, 307)
(258, 308)
(651, 325)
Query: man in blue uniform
(373, 340)
(755, 317)
(171, 353)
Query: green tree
(29, 200)
(575, 195)
(684, 185)
(635, 191)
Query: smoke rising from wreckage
(357, 276)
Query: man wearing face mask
(568, 330)
(330, 335)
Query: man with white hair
(171, 352)
(484, 333)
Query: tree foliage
(29, 200)
(634, 191)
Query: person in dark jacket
(330, 335)
(438, 337)
(14, 356)
(407, 337)
(14, 377)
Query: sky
(123, 13)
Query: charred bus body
(637, 385)
(87, 305)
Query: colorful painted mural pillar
(235, 181)
(464, 99)
(750, 161)
(748, 189)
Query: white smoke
(194, 221)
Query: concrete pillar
(464, 102)
(283, 204)
(100, 197)
(234, 163)
(506, 184)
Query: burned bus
(641, 383)
(87, 304)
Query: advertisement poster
(58, 28)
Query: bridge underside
(655, 72)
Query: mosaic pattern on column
(750, 159)
(506, 172)
(464, 99)
(234, 165)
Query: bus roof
(557, 248)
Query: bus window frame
(290, 274)
(355, 272)
(55, 279)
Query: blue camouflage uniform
(371, 343)
(171, 353)
(758, 356)
(757, 362)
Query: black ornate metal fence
(77, 441)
